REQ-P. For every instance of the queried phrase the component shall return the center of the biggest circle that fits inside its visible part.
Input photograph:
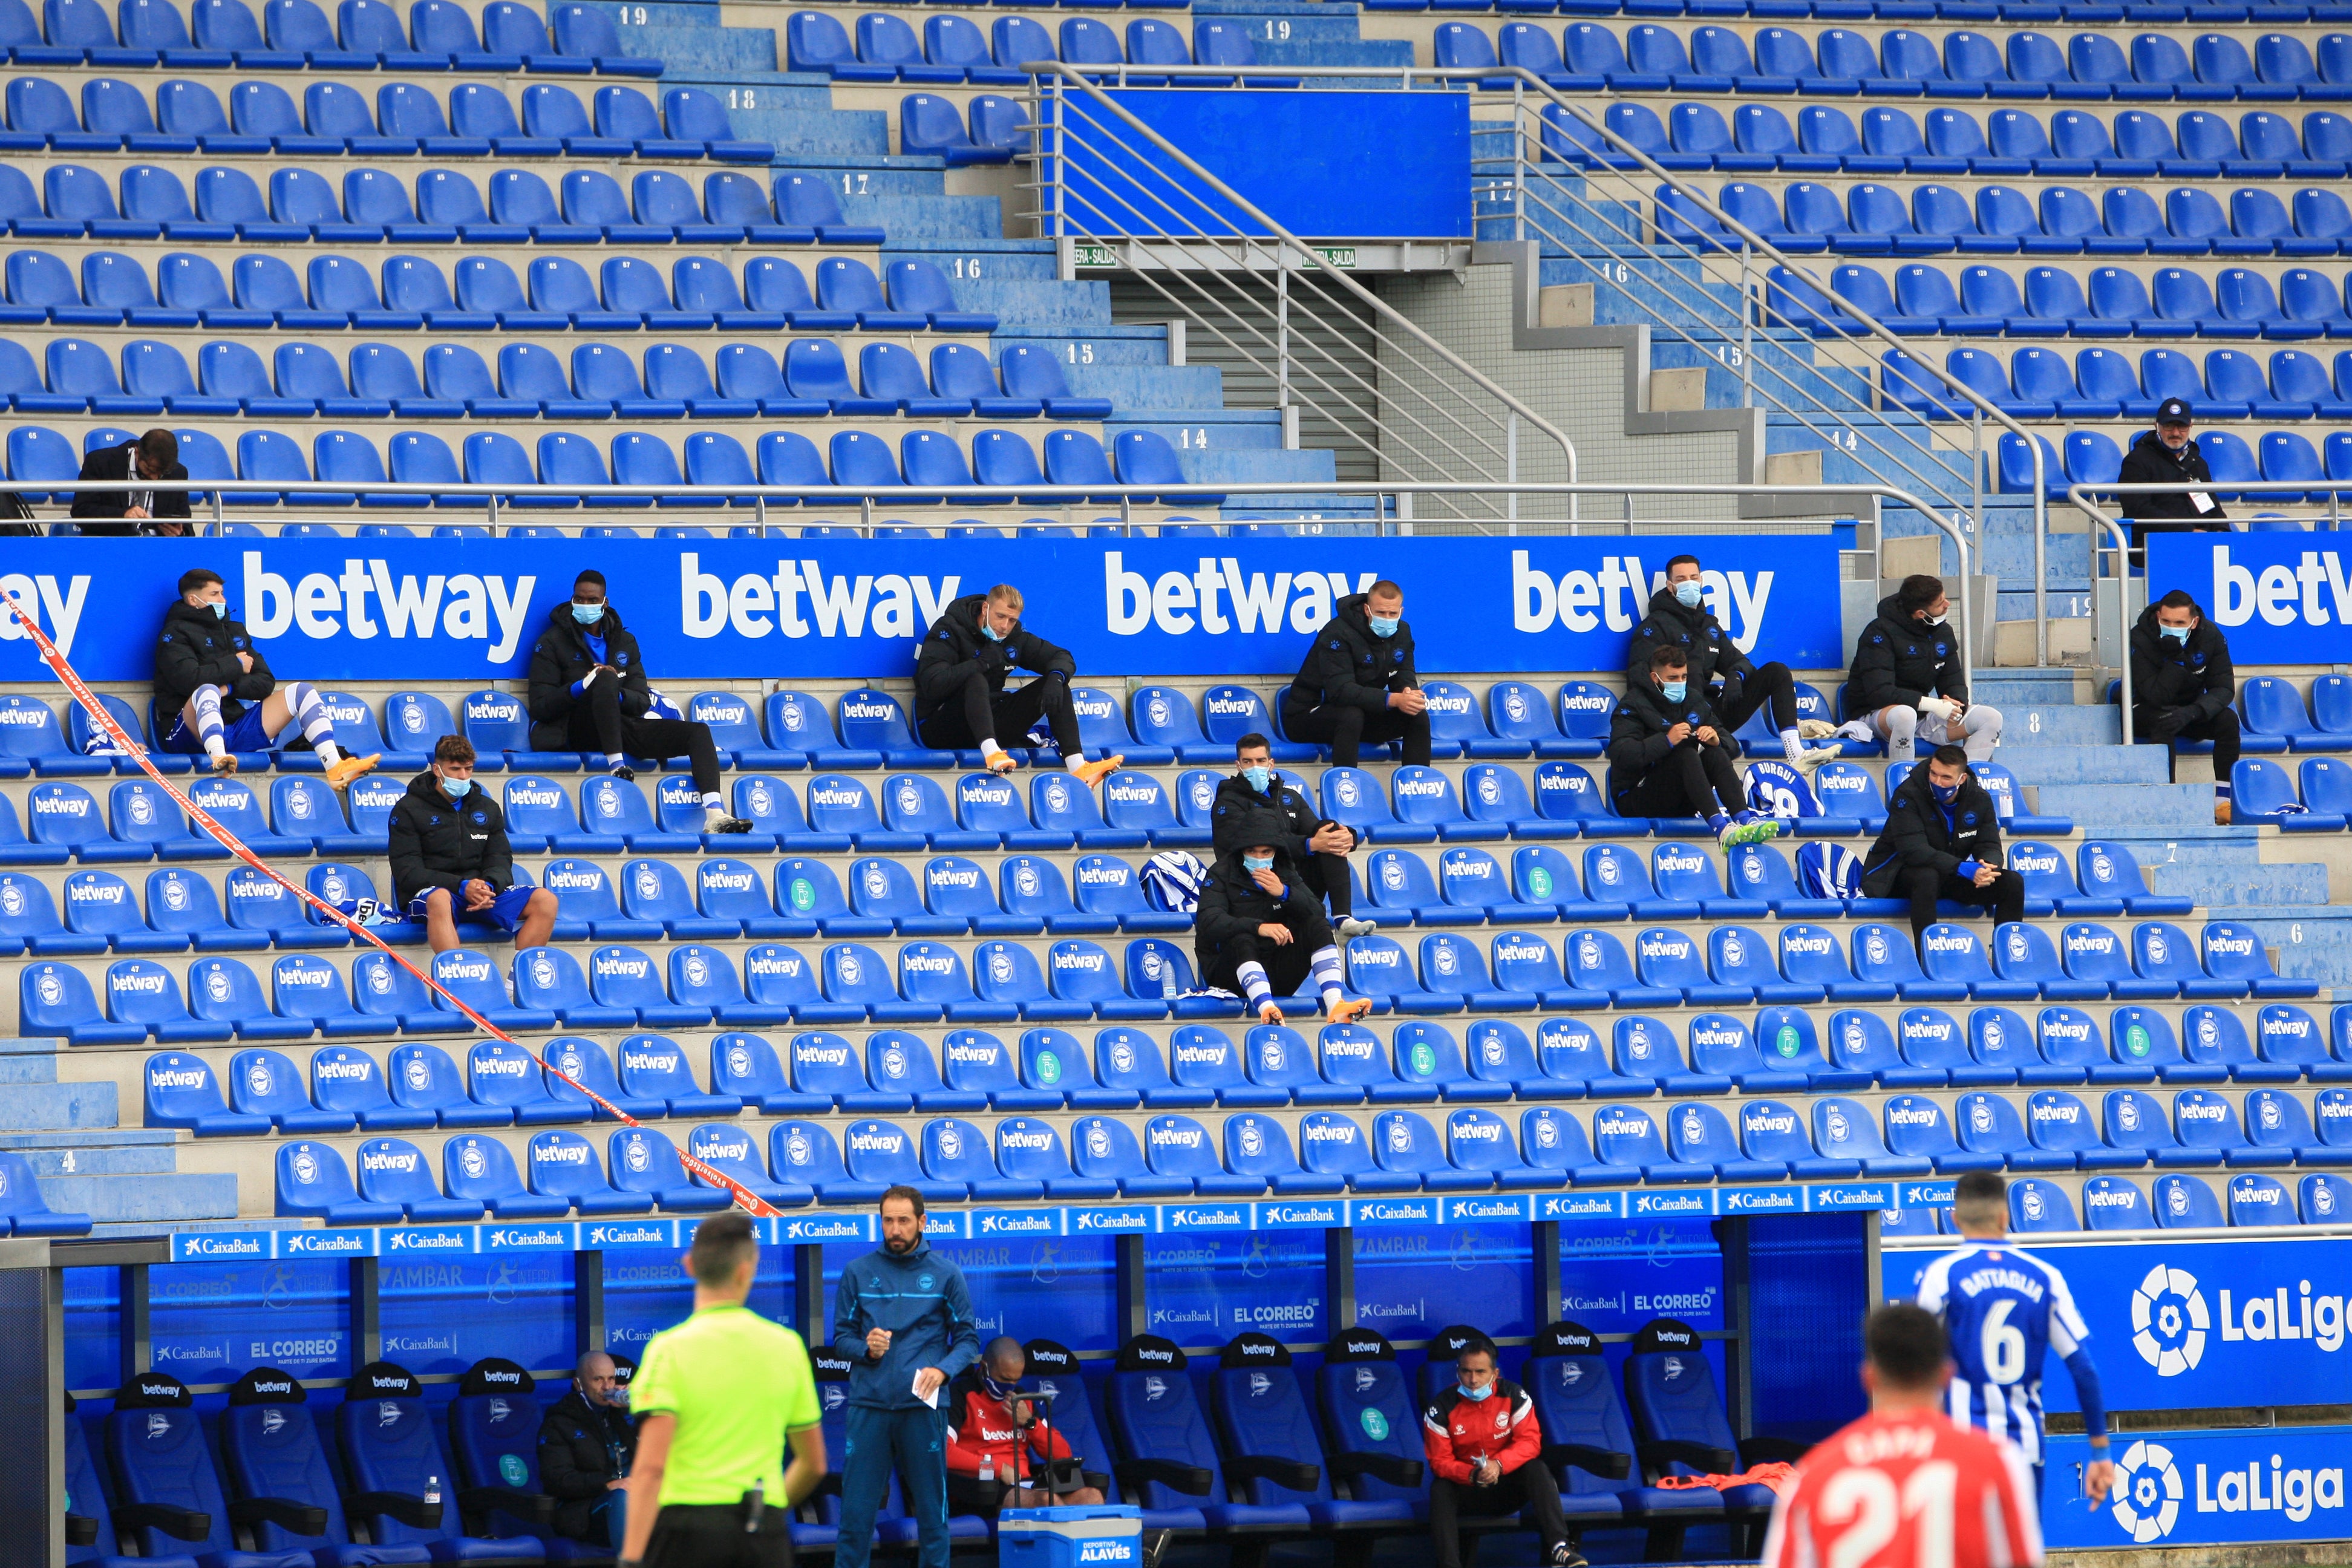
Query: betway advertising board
(2280, 598)
(439, 609)
(2197, 1325)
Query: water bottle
(987, 1467)
(1167, 979)
(433, 1491)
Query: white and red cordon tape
(744, 1197)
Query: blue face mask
(1253, 863)
(1944, 796)
(990, 633)
(587, 614)
(1674, 690)
(457, 789)
(998, 1390)
(2178, 633)
(1384, 626)
(1689, 592)
(1258, 778)
(1476, 1395)
(220, 610)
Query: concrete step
(1205, 429)
(2047, 765)
(2069, 726)
(1128, 345)
(186, 1196)
(58, 1105)
(2310, 943)
(1027, 305)
(1152, 392)
(706, 50)
(104, 1159)
(800, 133)
(2223, 888)
(2108, 807)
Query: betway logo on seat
(1206, 1056)
(1947, 943)
(1035, 1141)
(1174, 1137)
(774, 963)
(61, 806)
(500, 1066)
(1910, 1116)
(1664, 947)
(648, 1061)
(1420, 786)
(836, 794)
(1477, 1131)
(1521, 952)
(560, 1154)
(2045, 1111)
(356, 1071)
(874, 712)
(142, 984)
(727, 881)
(953, 877)
(612, 963)
(1814, 945)
(1341, 1132)
(821, 1055)
(531, 794)
(927, 964)
(876, 1142)
(1089, 961)
(175, 1077)
(976, 1054)
(1713, 1035)
(2203, 1109)
(305, 975)
(1132, 793)
(94, 893)
(1097, 874)
(371, 1161)
(1754, 1123)
(767, 604)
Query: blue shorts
(247, 734)
(505, 911)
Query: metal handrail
(1063, 78)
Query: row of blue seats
(2103, 383)
(624, 986)
(2039, 1207)
(365, 35)
(303, 379)
(2237, 305)
(334, 119)
(2154, 67)
(2077, 143)
(953, 51)
(2095, 458)
(949, 1159)
(1871, 220)
(2022, 13)
(623, 294)
(658, 208)
(420, 1086)
(39, 457)
(2323, 806)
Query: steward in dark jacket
(583, 1448)
(1355, 686)
(1941, 839)
(960, 701)
(2182, 685)
(2151, 462)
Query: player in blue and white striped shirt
(2004, 1309)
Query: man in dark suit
(154, 455)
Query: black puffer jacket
(561, 656)
(1232, 904)
(1240, 817)
(954, 649)
(1899, 658)
(1922, 831)
(1350, 667)
(2151, 462)
(436, 843)
(581, 1447)
(1712, 655)
(2195, 673)
(1637, 730)
(199, 648)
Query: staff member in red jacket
(991, 1427)
(1482, 1437)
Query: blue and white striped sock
(1255, 984)
(1329, 976)
(207, 701)
(310, 717)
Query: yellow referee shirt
(736, 1384)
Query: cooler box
(1109, 1534)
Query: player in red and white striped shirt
(1903, 1487)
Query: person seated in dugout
(1736, 687)
(585, 1440)
(588, 693)
(1261, 935)
(1667, 756)
(1358, 683)
(961, 702)
(213, 676)
(2182, 684)
(1253, 805)
(1907, 683)
(1942, 841)
(1003, 1450)
(450, 860)
(1484, 1465)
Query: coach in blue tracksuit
(903, 1317)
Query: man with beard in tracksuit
(2182, 684)
(1667, 756)
(903, 1317)
(450, 857)
(1942, 840)
(961, 702)
(1735, 686)
(1359, 682)
(1253, 805)
(1262, 934)
(1907, 683)
(588, 693)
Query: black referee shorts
(714, 1537)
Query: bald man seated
(586, 1442)
(998, 1428)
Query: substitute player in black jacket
(1906, 681)
(210, 673)
(961, 703)
(2182, 684)
(1737, 688)
(1942, 840)
(450, 857)
(1359, 682)
(1667, 756)
(1253, 805)
(1263, 934)
(588, 693)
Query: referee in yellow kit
(718, 1398)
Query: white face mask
(1689, 591)
(1936, 620)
